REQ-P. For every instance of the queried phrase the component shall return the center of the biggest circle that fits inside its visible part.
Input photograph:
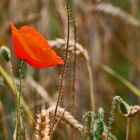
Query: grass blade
(133, 88)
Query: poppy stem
(19, 96)
(21, 77)
(10, 80)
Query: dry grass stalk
(43, 125)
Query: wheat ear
(61, 44)
(42, 125)
(67, 117)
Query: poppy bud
(124, 108)
(5, 53)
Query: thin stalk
(74, 73)
(22, 127)
(91, 86)
(19, 96)
(128, 128)
(63, 71)
(111, 118)
(73, 101)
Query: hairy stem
(19, 96)
(63, 71)
(10, 82)
(111, 118)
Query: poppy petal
(33, 48)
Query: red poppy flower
(32, 47)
